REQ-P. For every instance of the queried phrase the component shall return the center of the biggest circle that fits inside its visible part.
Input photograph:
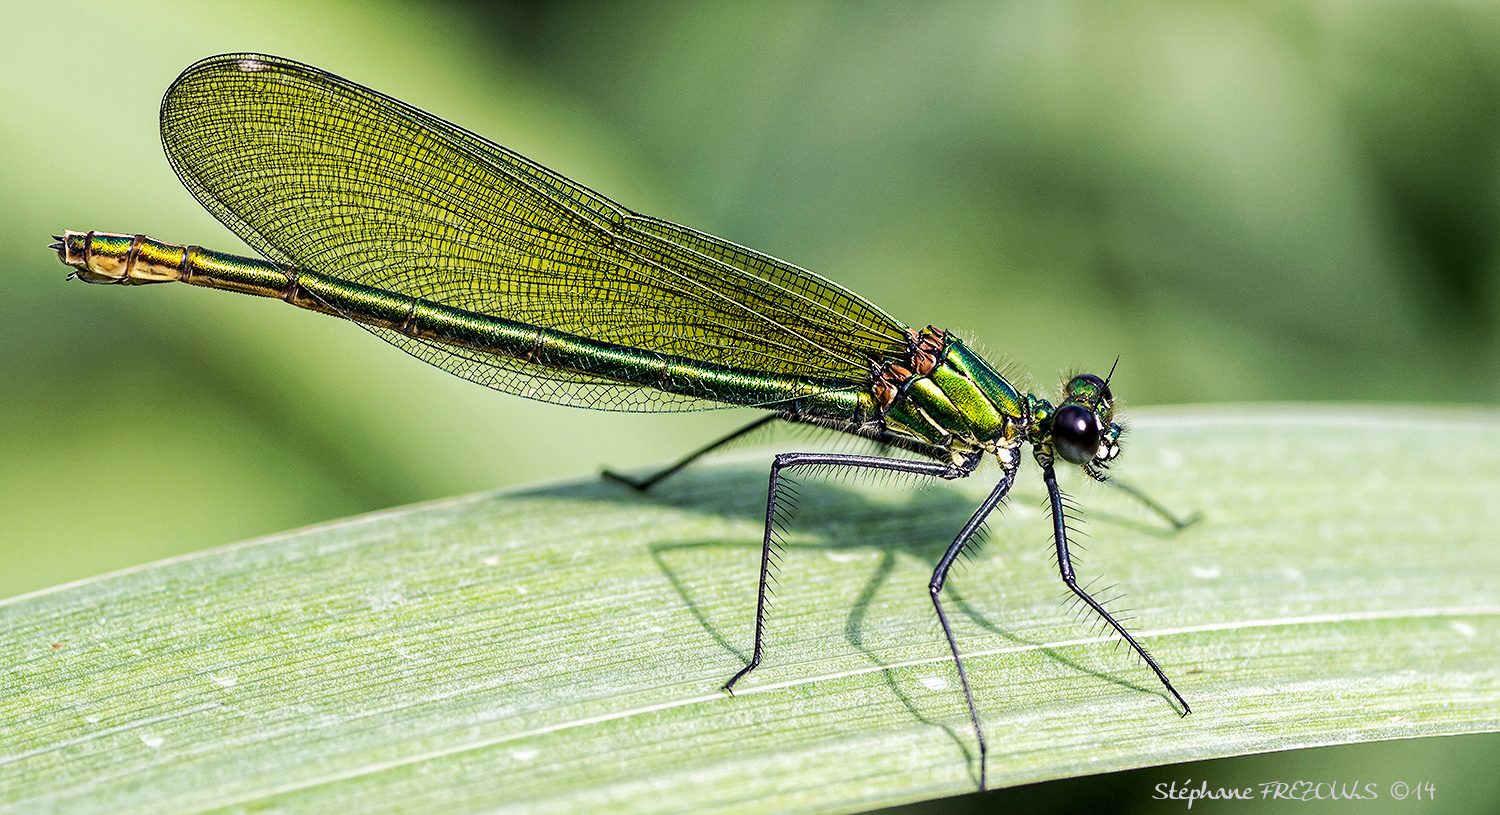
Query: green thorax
(947, 395)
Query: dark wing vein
(317, 172)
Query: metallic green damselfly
(494, 268)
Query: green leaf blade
(561, 648)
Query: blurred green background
(1245, 201)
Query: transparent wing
(317, 172)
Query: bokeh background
(1244, 201)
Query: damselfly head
(1083, 428)
(1088, 388)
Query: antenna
(1100, 395)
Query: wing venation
(317, 172)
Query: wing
(317, 172)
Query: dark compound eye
(1100, 386)
(1075, 434)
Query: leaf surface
(561, 648)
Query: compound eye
(1075, 434)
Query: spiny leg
(1146, 500)
(1065, 566)
(787, 461)
(935, 588)
(647, 483)
(881, 438)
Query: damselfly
(494, 268)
